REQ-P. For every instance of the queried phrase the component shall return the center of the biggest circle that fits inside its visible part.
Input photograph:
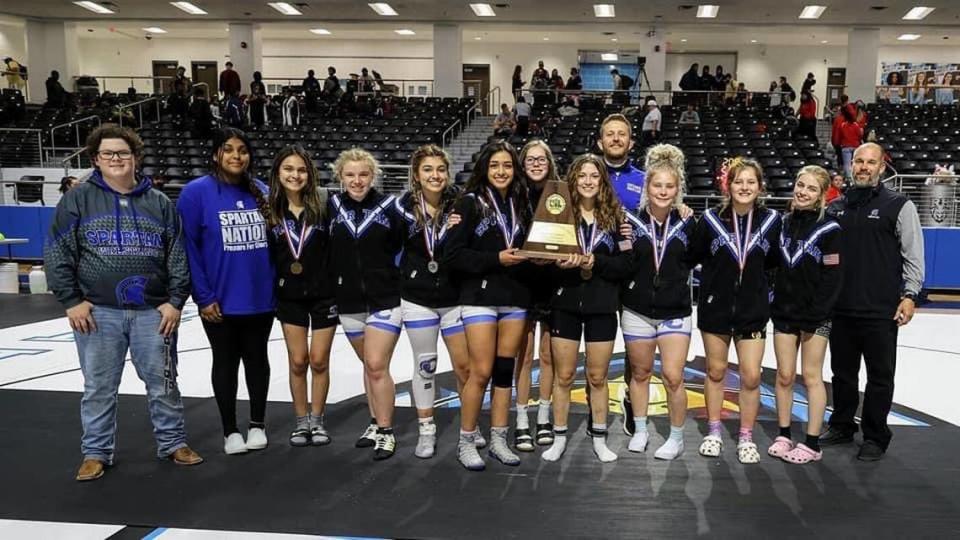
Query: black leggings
(240, 337)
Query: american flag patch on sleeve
(625, 245)
(831, 259)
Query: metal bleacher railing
(937, 197)
(27, 152)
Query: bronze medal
(433, 267)
(296, 268)
(586, 274)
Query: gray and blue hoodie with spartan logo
(122, 250)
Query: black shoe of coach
(870, 451)
(835, 436)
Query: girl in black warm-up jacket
(737, 243)
(482, 251)
(365, 237)
(586, 299)
(305, 303)
(430, 299)
(656, 297)
(807, 286)
(539, 168)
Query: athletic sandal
(545, 434)
(300, 437)
(780, 447)
(802, 454)
(319, 436)
(711, 446)
(522, 440)
(747, 453)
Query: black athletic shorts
(593, 328)
(540, 312)
(788, 327)
(314, 313)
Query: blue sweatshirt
(227, 247)
(627, 182)
(122, 250)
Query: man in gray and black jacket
(882, 257)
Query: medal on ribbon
(509, 233)
(658, 253)
(296, 244)
(587, 246)
(431, 236)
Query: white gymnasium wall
(400, 59)
(12, 42)
(758, 66)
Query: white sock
(603, 453)
(543, 412)
(559, 445)
(523, 422)
(641, 423)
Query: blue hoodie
(627, 182)
(122, 250)
(227, 246)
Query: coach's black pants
(240, 337)
(876, 341)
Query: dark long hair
(312, 204)
(517, 190)
(220, 138)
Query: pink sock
(746, 434)
(714, 427)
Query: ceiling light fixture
(546, 39)
(320, 31)
(284, 8)
(683, 41)
(188, 7)
(918, 13)
(812, 12)
(909, 37)
(707, 11)
(94, 7)
(483, 10)
(383, 8)
(753, 41)
(154, 30)
(609, 57)
(824, 42)
(604, 10)
(405, 32)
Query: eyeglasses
(110, 154)
(535, 161)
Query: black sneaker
(629, 426)
(368, 438)
(385, 446)
(870, 451)
(835, 436)
(522, 440)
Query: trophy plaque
(553, 233)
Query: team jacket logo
(130, 291)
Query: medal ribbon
(301, 240)
(509, 233)
(585, 246)
(741, 244)
(659, 253)
(430, 235)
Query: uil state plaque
(553, 233)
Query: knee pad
(503, 372)
(427, 365)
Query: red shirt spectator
(850, 135)
(807, 109)
(835, 130)
(229, 81)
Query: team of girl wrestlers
(442, 261)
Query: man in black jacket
(882, 257)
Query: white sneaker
(233, 444)
(256, 439)
(638, 443)
(670, 450)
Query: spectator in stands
(918, 93)
(569, 107)
(331, 85)
(720, 79)
(14, 73)
(121, 298)
(311, 90)
(234, 111)
(849, 137)
(836, 187)
(179, 99)
(706, 79)
(57, 97)
(775, 97)
(892, 92)
(258, 100)
(517, 82)
(807, 115)
(789, 95)
(574, 82)
(808, 84)
(650, 130)
(556, 81)
(199, 113)
(366, 81)
(743, 97)
(690, 117)
(229, 81)
(503, 124)
(615, 76)
(67, 183)
(521, 112)
(540, 77)
(291, 108)
(729, 87)
(691, 79)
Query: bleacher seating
(917, 137)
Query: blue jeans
(102, 358)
